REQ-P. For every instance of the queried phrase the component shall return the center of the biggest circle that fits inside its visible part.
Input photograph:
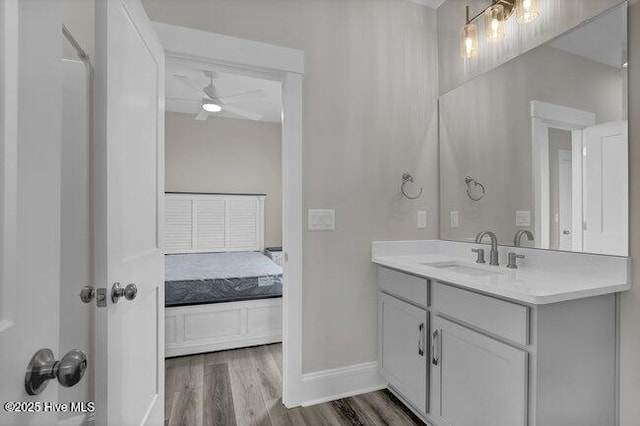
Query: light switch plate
(322, 220)
(454, 219)
(422, 219)
(523, 218)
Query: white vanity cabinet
(476, 380)
(403, 345)
(489, 361)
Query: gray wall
(561, 15)
(226, 155)
(370, 92)
(485, 130)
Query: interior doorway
(284, 66)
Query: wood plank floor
(244, 387)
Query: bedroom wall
(561, 15)
(370, 91)
(226, 155)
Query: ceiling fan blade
(202, 115)
(187, 82)
(257, 94)
(242, 112)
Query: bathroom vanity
(467, 344)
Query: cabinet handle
(435, 348)
(421, 339)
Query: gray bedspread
(198, 278)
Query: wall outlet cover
(322, 220)
(422, 219)
(454, 219)
(523, 218)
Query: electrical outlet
(454, 219)
(523, 218)
(422, 219)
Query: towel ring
(469, 180)
(406, 178)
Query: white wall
(561, 15)
(485, 130)
(226, 155)
(370, 92)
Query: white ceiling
(263, 96)
(429, 3)
(603, 39)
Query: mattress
(198, 278)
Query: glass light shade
(211, 106)
(469, 41)
(494, 23)
(527, 11)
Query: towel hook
(469, 180)
(406, 178)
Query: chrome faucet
(518, 237)
(493, 254)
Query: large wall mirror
(540, 144)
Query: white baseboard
(329, 385)
(79, 420)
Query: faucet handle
(480, 253)
(513, 260)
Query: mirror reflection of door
(560, 189)
(605, 188)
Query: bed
(221, 292)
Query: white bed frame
(207, 223)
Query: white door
(30, 147)
(605, 188)
(476, 380)
(129, 158)
(565, 227)
(404, 331)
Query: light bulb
(527, 11)
(494, 23)
(469, 41)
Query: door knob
(129, 292)
(44, 367)
(87, 294)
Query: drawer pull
(421, 339)
(435, 348)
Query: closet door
(476, 380)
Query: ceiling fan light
(211, 105)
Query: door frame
(543, 117)
(285, 65)
(9, 52)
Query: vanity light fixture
(495, 17)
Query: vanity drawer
(408, 287)
(504, 319)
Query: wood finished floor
(244, 387)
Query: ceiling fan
(212, 103)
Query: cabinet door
(476, 380)
(404, 348)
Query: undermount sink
(461, 268)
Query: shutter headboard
(197, 223)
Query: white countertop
(563, 280)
